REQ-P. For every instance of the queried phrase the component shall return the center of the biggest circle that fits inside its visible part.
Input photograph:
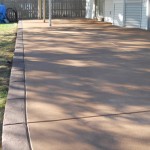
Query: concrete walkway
(88, 86)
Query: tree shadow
(83, 70)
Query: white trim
(148, 14)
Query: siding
(144, 20)
(133, 13)
(108, 11)
(118, 18)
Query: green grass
(7, 44)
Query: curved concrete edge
(15, 130)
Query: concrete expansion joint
(88, 117)
(15, 130)
(15, 124)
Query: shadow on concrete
(78, 70)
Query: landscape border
(15, 135)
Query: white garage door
(118, 13)
(133, 13)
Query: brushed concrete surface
(17, 76)
(16, 91)
(15, 137)
(81, 68)
(125, 132)
(15, 112)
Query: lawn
(7, 44)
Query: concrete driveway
(88, 86)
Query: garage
(130, 13)
(123, 13)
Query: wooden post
(39, 9)
(50, 12)
(44, 10)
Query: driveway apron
(87, 86)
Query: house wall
(124, 13)
(136, 14)
(144, 21)
(133, 13)
(128, 13)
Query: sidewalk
(87, 85)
